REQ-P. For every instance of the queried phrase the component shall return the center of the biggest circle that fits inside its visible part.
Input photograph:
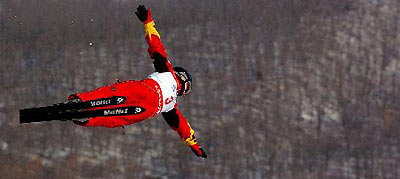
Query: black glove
(198, 151)
(142, 13)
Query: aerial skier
(153, 95)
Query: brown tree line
(282, 89)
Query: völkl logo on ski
(100, 102)
(116, 100)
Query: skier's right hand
(198, 151)
(143, 14)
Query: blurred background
(287, 89)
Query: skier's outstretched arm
(156, 48)
(179, 123)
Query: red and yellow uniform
(156, 94)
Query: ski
(76, 114)
(68, 111)
(60, 107)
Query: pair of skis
(77, 110)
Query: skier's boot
(198, 151)
(73, 98)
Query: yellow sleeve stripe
(149, 29)
(191, 140)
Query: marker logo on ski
(123, 111)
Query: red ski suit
(145, 93)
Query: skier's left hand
(143, 14)
(198, 151)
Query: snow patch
(393, 67)
(4, 146)
(332, 113)
(62, 153)
(308, 113)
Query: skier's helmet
(185, 80)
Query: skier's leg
(149, 110)
(97, 93)
(136, 93)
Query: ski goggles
(185, 82)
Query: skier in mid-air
(155, 94)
